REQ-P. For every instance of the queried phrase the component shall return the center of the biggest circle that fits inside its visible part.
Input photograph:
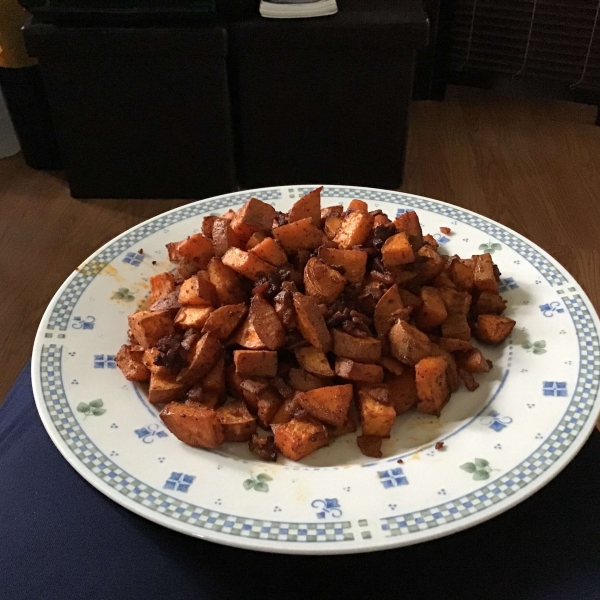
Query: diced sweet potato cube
(329, 404)
(354, 230)
(489, 303)
(200, 397)
(164, 388)
(256, 238)
(269, 251)
(473, 361)
(214, 380)
(227, 283)
(348, 426)
(456, 302)
(224, 237)
(300, 437)
(370, 445)
(255, 363)
(311, 322)
(432, 384)
(255, 215)
(161, 285)
(246, 264)
(354, 262)
(314, 361)
(376, 418)
(433, 311)
(266, 323)
(461, 275)
(233, 382)
(367, 349)
(309, 206)
(302, 381)
(410, 299)
(493, 329)
(332, 225)
(207, 225)
(198, 291)
(408, 344)
(299, 235)
(286, 411)
(443, 281)
(323, 282)
(193, 316)
(148, 359)
(393, 365)
(387, 310)
(358, 205)
(267, 407)
(222, 322)
(193, 425)
(409, 222)
(468, 379)
(356, 371)
(456, 326)
(238, 424)
(148, 326)
(196, 248)
(131, 363)
(454, 345)
(205, 354)
(248, 338)
(397, 251)
(252, 391)
(402, 390)
(484, 277)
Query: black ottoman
(325, 99)
(139, 112)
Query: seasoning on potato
(284, 330)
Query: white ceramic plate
(527, 420)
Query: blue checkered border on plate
(552, 275)
(107, 471)
(59, 318)
(575, 417)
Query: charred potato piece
(255, 363)
(302, 381)
(222, 322)
(393, 365)
(237, 423)
(266, 323)
(366, 349)
(246, 264)
(161, 285)
(147, 327)
(311, 322)
(309, 206)
(461, 275)
(493, 329)
(489, 303)
(255, 215)
(376, 418)
(456, 326)
(370, 445)
(248, 338)
(484, 277)
(286, 411)
(353, 262)
(131, 363)
(164, 388)
(205, 354)
(300, 437)
(409, 222)
(299, 235)
(214, 380)
(348, 426)
(354, 230)
(356, 371)
(269, 251)
(433, 311)
(397, 251)
(402, 390)
(432, 384)
(227, 283)
(196, 248)
(224, 237)
(314, 361)
(408, 344)
(387, 310)
(456, 302)
(196, 426)
(329, 404)
(358, 205)
(192, 316)
(473, 361)
(323, 282)
(264, 448)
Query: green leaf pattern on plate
(538, 347)
(258, 483)
(490, 247)
(94, 408)
(123, 294)
(480, 468)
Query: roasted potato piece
(233, 382)
(354, 230)
(493, 329)
(263, 447)
(255, 363)
(311, 322)
(299, 235)
(397, 251)
(348, 426)
(473, 361)
(205, 354)
(457, 303)
(269, 251)
(227, 283)
(454, 345)
(443, 281)
(358, 205)
(238, 424)
(393, 365)
(300, 437)
(268, 405)
(252, 391)
(409, 222)
(356, 371)
(214, 380)
(248, 338)
(224, 237)
(266, 323)
(198, 291)
(387, 310)
(286, 411)
(196, 248)
(148, 359)
(193, 316)
(302, 381)
(255, 215)
(329, 404)
(255, 239)
(461, 275)
(432, 384)
(354, 262)
(323, 282)
(402, 390)
(468, 380)
(246, 264)
(456, 326)
(207, 225)
(147, 327)
(131, 363)
(196, 426)
(376, 418)
(309, 206)
(408, 344)
(314, 361)
(332, 225)
(409, 299)
(433, 311)
(164, 388)
(366, 349)
(161, 285)
(222, 322)
(489, 303)
(199, 397)
(484, 278)
(370, 445)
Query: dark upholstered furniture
(326, 99)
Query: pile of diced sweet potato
(308, 323)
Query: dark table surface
(62, 539)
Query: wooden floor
(533, 165)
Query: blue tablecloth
(61, 539)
